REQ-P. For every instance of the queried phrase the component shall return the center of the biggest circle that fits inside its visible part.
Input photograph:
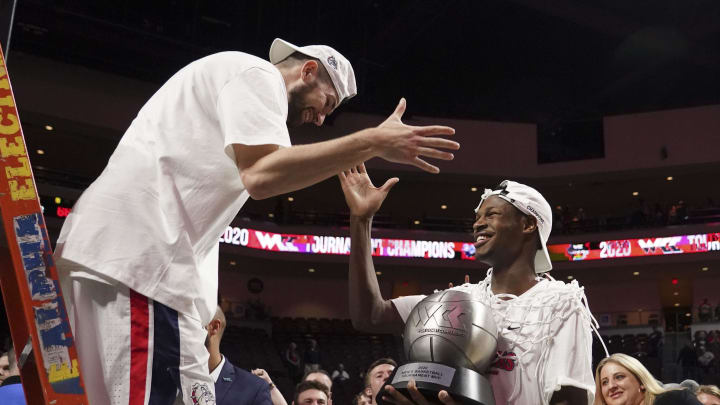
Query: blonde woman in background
(708, 395)
(623, 380)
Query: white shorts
(136, 351)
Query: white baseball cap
(530, 202)
(337, 66)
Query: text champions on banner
(340, 245)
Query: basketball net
(555, 303)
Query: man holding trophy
(533, 331)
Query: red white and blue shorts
(134, 350)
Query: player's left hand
(416, 398)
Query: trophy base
(464, 385)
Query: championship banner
(667, 245)
(39, 325)
(425, 249)
(340, 245)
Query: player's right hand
(362, 197)
(401, 143)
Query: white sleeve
(569, 359)
(405, 305)
(252, 110)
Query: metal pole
(6, 44)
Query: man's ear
(213, 327)
(529, 224)
(309, 71)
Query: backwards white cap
(337, 66)
(530, 202)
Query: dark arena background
(610, 109)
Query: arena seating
(338, 342)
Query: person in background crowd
(623, 380)
(311, 393)
(312, 356)
(233, 385)
(361, 399)
(292, 359)
(4, 367)
(319, 375)
(376, 375)
(323, 377)
(708, 395)
(655, 342)
(705, 357)
(688, 361)
(705, 311)
(339, 374)
(11, 389)
(275, 394)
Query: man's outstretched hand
(402, 143)
(362, 197)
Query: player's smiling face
(620, 386)
(497, 231)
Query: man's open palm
(362, 197)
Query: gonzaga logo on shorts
(201, 395)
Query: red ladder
(36, 312)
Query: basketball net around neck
(555, 302)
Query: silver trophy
(450, 341)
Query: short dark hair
(357, 397)
(310, 385)
(321, 371)
(378, 362)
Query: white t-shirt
(152, 220)
(544, 339)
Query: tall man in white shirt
(544, 340)
(138, 255)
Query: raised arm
(268, 170)
(368, 310)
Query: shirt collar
(13, 379)
(215, 374)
